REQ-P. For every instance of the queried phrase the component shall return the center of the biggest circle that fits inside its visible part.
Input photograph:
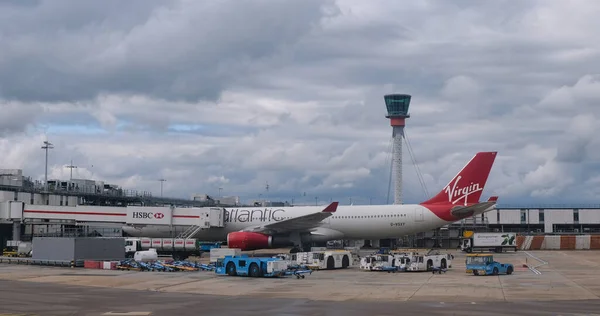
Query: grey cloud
(16, 118)
(64, 52)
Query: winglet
(493, 199)
(331, 208)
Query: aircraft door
(419, 216)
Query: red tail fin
(468, 184)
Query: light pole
(161, 186)
(47, 145)
(316, 200)
(71, 166)
(220, 189)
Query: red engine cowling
(249, 241)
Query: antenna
(47, 145)
(267, 193)
(71, 166)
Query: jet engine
(249, 240)
(254, 241)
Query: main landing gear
(296, 240)
(301, 248)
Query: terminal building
(525, 219)
(16, 187)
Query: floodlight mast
(161, 186)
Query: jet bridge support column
(16, 231)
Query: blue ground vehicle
(251, 266)
(484, 264)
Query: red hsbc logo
(148, 215)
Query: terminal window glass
(397, 104)
(523, 216)
(541, 215)
(576, 215)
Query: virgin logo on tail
(466, 187)
(461, 193)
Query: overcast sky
(237, 94)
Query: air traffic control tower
(397, 108)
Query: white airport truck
(324, 260)
(429, 261)
(497, 242)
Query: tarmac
(567, 285)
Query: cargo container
(78, 248)
(178, 248)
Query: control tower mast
(397, 108)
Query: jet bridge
(203, 217)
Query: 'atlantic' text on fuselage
(256, 215)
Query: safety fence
(554, 242)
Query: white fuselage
(352, 222)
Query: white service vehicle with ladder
(377, 262)
(385, 262)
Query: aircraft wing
(475, 209)
(304, 222)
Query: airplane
(256, 228)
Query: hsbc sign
(157, 215)
(149, 215)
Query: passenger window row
(371, 216)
